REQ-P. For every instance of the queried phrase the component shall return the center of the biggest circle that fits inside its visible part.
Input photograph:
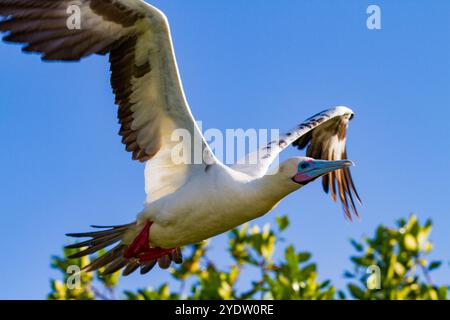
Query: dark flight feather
(108, 26)
(327, 141)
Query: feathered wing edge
(328, 142)
(325, 135)
(114, 260)
(127, 30)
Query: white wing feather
(257, 163)
(324, 135)
(144, 73)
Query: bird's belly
(203, 209)
(198, 225)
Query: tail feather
(95, 248)
(98, 234)
(112, 227)
(106, 259)
(100, 240)
(94, 242)
(115, 265)
(114, 260)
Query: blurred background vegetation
(392, 264)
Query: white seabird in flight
(187, 202)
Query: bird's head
(303, 170)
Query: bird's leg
(140, 247)
(140, 244)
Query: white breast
(210, 204)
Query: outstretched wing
(144, 73)
(328, 142)
(325, 136)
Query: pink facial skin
(302, 178)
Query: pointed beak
(319, 168)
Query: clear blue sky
(244, 64)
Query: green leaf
(309, 269)
(304, 256)
(443, 293)
(348, 275)
(410, 242)
(282, 222)
(356, 291)
(434, 265)
(358, 247)
(325, 284)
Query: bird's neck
(266, 192)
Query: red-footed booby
(187, 202)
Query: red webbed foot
(154, 254)
(140, 248)
(140, 243)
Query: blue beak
(318, 168)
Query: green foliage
(399, 254)
(78, 285)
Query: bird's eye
(304, 165)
